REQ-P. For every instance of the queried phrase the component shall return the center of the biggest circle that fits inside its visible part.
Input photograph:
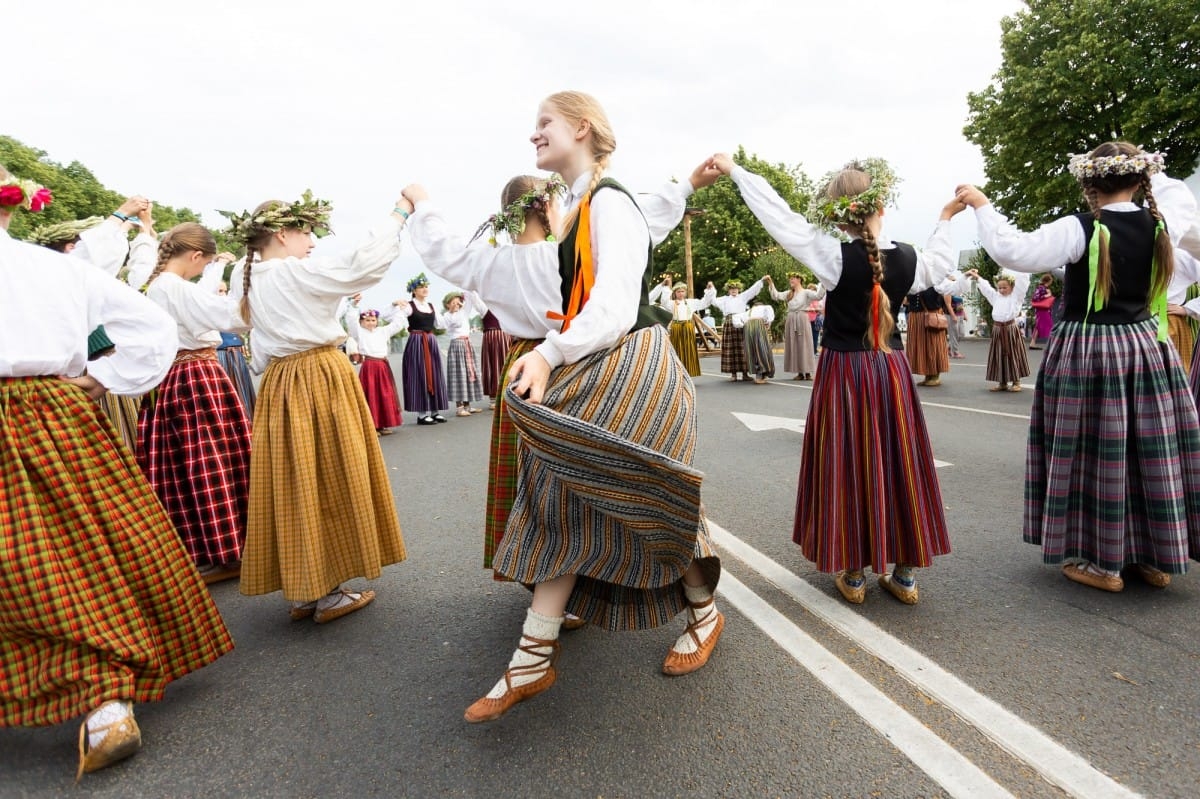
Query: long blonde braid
(1164, 253)
(244, 305)
(879, 328)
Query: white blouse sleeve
(989, 293)
(349, 274)
(664, 209)
(620, 242)
(937, 259)
(816, 249)
(1055, 244)
(104, 246)
(143, 257)
(144, 334)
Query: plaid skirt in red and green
(1112, 470)
(502, 460)
(194, 447)
(98, 599)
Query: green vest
(648, 314)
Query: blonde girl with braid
(868, 493)
(193, 435)
(600, 393)
(321, 510)
(1112, 476)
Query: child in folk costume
(757, 337)
(193, 433)
(683, 327)
(372, 343)
(100, 605)
(868, 493)
(799, 349)
(463, 379)
(421, 370)
(1007, 361)
(928, 320)
(733, 347)
(321, 506)
(1113, 464)
(1042, 302)
(611, 343)
(496, 343)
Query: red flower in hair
(11, 195)
(41, 198)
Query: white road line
(1057, 764)
(942, 762)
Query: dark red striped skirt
(194, 447)
(495, 351)
(869, 493)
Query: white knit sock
(109, 713)
(544, 628)
(696, 595)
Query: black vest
(1131, 251)
(648, 314)
(848, 307)
(422, 321)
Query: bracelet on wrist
(120, 216)
(400, 211)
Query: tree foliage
(1076, 73)
(77, 193)
(727, 239)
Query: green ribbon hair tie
(1158, 303)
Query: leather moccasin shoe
(1081, 573)
(1152, 576)
(488, 709)
(363, 599)
(678, 663)
(854, 594)
(121, 740)
(906, 594)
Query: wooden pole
(687, 250)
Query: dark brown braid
(244, 306)
(1164, 253)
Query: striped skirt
(1007, 361)
(321, 507)
(869, 493)
(421, 373)
(733, 351)
(798, 346)
(122, 413)
(759, 359)
(379, 390)
(194, 448)
(1112, 470)
(495, 351)
(606, 490)
(1184, 340)
(464, 382)
(502, 461)
(98, 599)
(233, 361)
(927, 349)
(683, 341)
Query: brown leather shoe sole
(486, 709)
(365, 598)
(1152, 576)
(122, 740)
(676, 664)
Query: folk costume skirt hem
(379, 390)
(760, 361)
(495, 353)
(683, 341)
(233, 361)
(798, 346)
(868, 492)
(502, 461)
(733, 351)
(464, 381)
(927, 348)
(1008, 361)
(321, 507)
(98, 599)
(422, 375)
(606, 490)
(1112, 470)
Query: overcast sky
(213, 104)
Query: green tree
(77, 193)
(726, 237)
(1076, 73)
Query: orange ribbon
(585, 272)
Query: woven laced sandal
(908, 594)
(854, 594)
(678, 663)
(573, 622)
(123, 739)
(303, 611)
(488, 709)
(1087, 574)
(337, 611)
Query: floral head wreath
(854, 209)
(1084, 167)
(27, 194)
(307, 212)
(416, 283)
(511, 219)
(796, 275)
(62, 232)
(450, 296)
(679, 287)
(733, 284)
(370, 313)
